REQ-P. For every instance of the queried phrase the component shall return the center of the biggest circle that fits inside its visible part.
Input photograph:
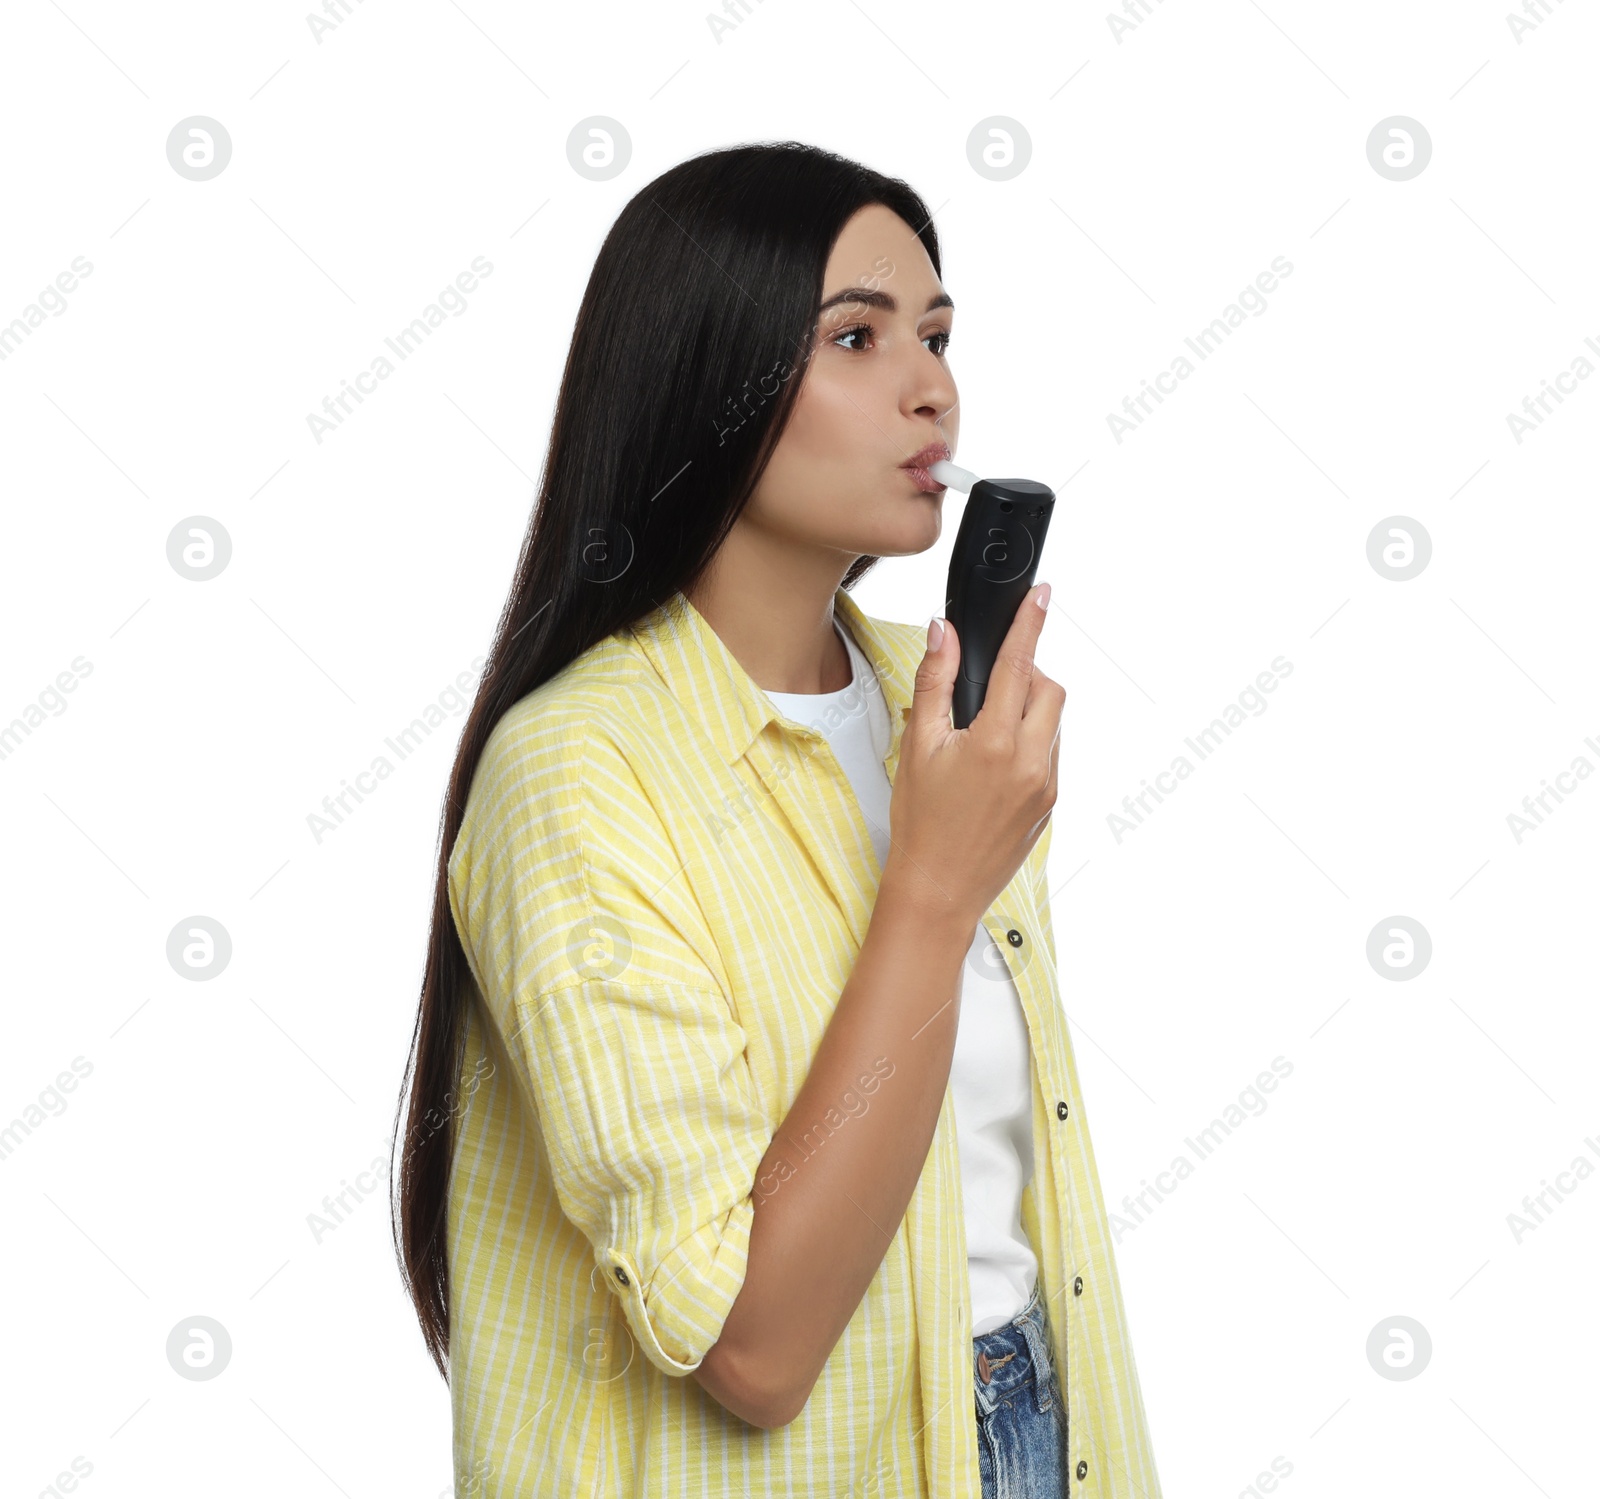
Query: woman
(708, 1188)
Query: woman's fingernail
(1042, 598)
(935, 633)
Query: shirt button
(1061, 1108)
(1083, 1469)
(1014, 937)
(622, 1275)
(1077, 1285)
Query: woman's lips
(917, 466)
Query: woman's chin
(904, 539)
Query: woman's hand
(968, 804)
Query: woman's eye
(864, 331)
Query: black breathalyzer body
(993, 566)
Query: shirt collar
(700, 670)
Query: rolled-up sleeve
(591, 957)
(654, 1144)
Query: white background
(1167, 169)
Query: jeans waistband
(1029, 1330)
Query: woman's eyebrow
(881, 299)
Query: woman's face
(877, 393)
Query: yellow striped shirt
(662, 885)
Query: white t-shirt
(990, 1072)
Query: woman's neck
(771, 603)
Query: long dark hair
(690, 345)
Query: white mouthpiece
(947, 473)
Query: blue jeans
(1022, 1414)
